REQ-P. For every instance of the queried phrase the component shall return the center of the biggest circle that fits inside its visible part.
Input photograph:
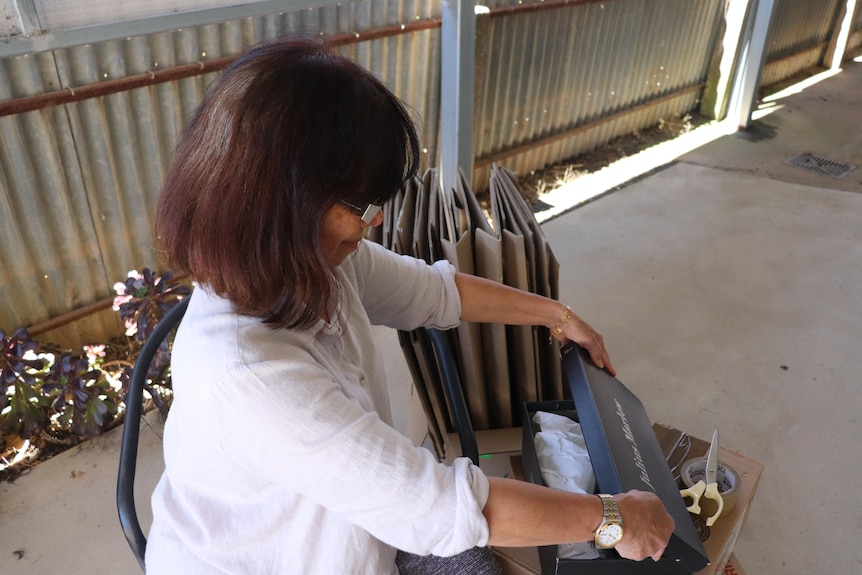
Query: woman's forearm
(486, 301)
(522, 514)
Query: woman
(279, 453)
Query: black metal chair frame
(448, 369)
(131, 432)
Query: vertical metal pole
(835, 53)
(21, 17)
(457, 80)
(753, 57)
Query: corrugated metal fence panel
(798, 37)
(549, 72)
(51, 261)
(78, 181)
(59, 14)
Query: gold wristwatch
(610, 530)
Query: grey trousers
(476, 561)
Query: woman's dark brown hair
(288, 130)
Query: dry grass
(537, 183)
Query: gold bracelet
(558, 329)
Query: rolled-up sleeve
(404, 292)
(470, 523)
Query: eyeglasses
(366, 214)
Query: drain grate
(821, 166)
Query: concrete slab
(728, 302)
(61, 518)
(819, 116)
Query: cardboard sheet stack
(500, 366)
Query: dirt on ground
(535, 184)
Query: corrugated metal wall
(555, 79)
(78, 181)
(799, 37)
(581, 74)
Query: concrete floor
(728, 286)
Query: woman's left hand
(577, 330)
(486, 301)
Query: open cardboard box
(629, 452)
(501, 455)
(625, 455)
(721, 538)
(525, 561)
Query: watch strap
(610, 509)
(610, 530)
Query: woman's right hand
(647, 526)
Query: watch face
(609, 535)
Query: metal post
(838, 45)
(458, 36)
(20, 18)
(752, 59)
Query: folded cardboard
(720, 539)
(625, 455)
(525, 561)
(518, 560)
(733, 567)
(503, 442)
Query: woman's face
(341, 232)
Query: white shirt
(279, 451)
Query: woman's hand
(572, 328)
(522, 514)
(486, 301)
(647, 526)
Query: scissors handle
(713, 495)
(701, 492)
(693, 494)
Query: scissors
(705, 492)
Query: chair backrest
(131, 431)
(448, 369)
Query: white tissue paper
(565, 465)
